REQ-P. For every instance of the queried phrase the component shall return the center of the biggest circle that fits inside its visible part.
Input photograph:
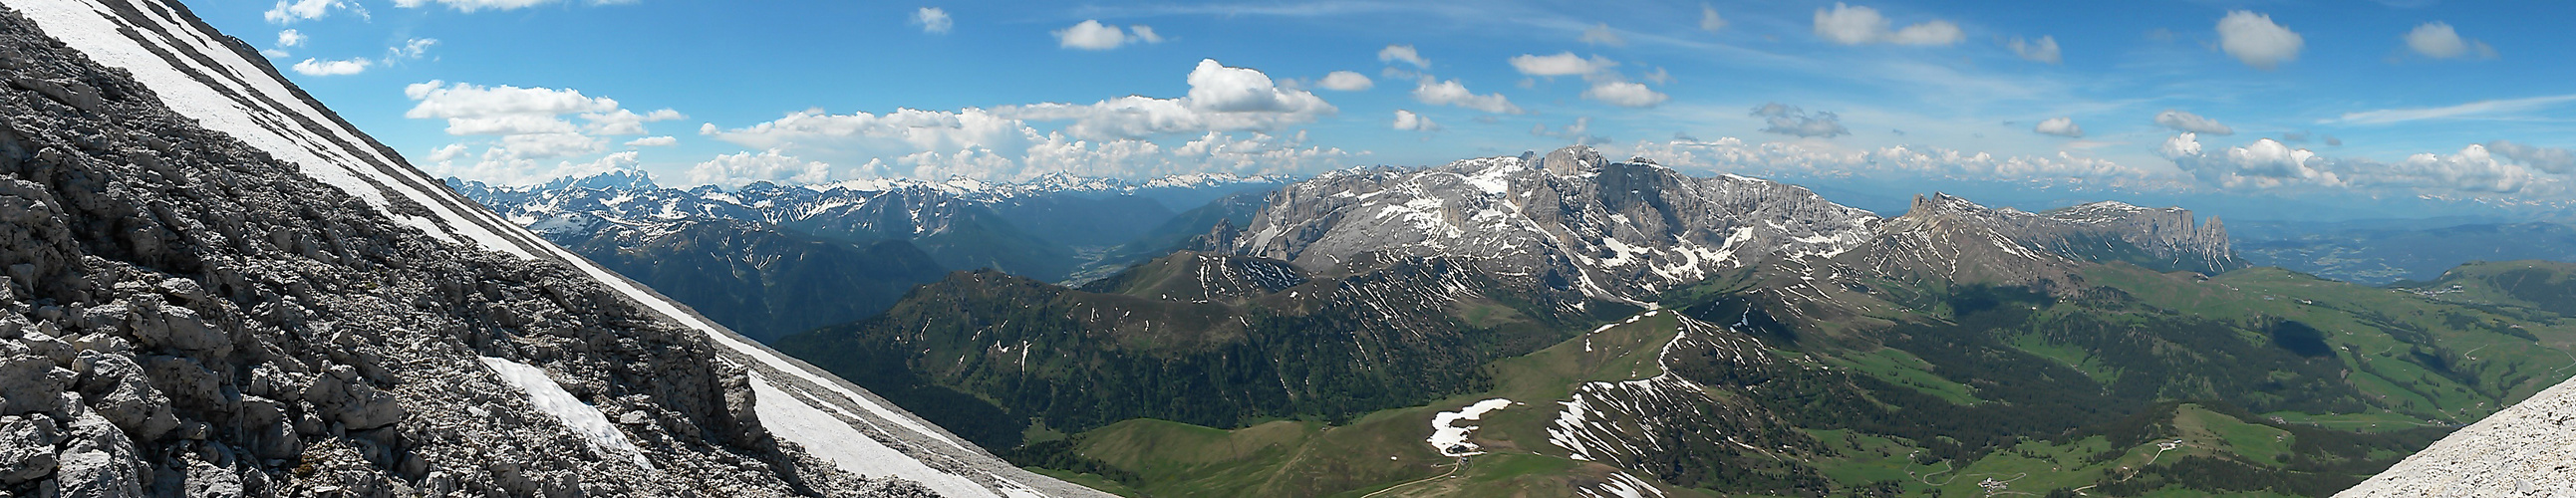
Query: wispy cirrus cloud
(2480, 109)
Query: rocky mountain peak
(1572, 161)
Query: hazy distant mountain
(2381, 252)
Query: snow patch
(551, 398)
(1451, 439)
(827, 436)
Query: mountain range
(1585, 327)
(217, 287)
(770, 260)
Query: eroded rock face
(181, 313)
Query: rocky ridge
(1571, 219)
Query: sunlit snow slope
(217, 80)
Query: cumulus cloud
(1600, 34)
(2188, 122)
(290, 11)
(1346, 81)
(2042, 50)
(2492, 169)
(2182, 145)
(1709, 20)
(1092, 35)
(1116, 137)
(661, 141)
(933, 20)
(736, 170)
(470, 6)
(530, 123)
(2553, 160)
(1452, 92)
(1405, 53)
(472, 109)
(2060, 126)
(1808, 160)
(1221, 98)
(1789, 120)
(2257, 41)
(2264, 164)
(2438, 40)
(1407, 120)
(625, 122)
(1853, 25)
(1561, 64)
(290, 38)
(1625, 94)
(317, 67)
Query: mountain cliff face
(216, 287)
(1571, 219)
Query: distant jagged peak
(615, 179)
(1574, 160)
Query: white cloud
(2060, 126)
(661, 141)
(2188, 122)
(1783, 160)
(1789, 120)
(2553, 160)
(2438, 40)
(1346, 81)
(1092, 35)
(2256, 40)
(2496, 168)
(2472, 109)
(1452, 92)
(2182, 145)
(470, 6)
(1709, 20)
(1852, 25)
(1407, 120)
(1393, 53)
(546, 145)
(410, 49)
(316, 67)
(2042, 50)
(290, 11)
(1625, 94)
(1216, 87)
(1002, 142)
(531, 123)
(472, 109)
(625, 122)
(1578, 132)
(290, 38)
(446, 152)
(736, 170)
(1561, 64)
(275, 53)
(933, 20)
(1221, 98)
(1600, 34)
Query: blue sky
(2330, 109)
